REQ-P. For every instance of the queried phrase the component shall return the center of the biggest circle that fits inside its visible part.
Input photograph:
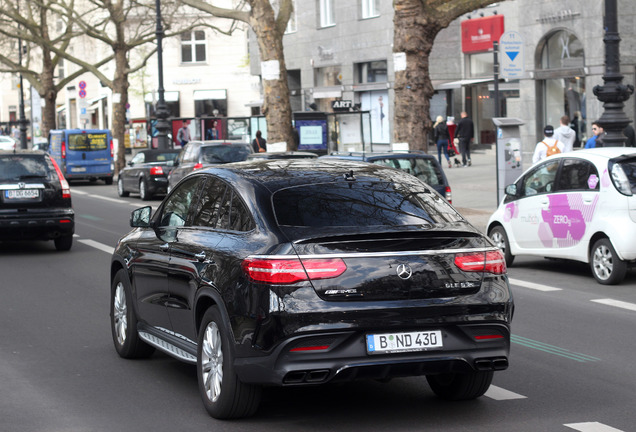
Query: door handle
(165, 247)
(202, 257)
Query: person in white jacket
(548, 146)
(565, 134)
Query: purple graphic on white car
(565, 219)
(592, 181)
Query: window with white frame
(193, 47)
(370, 9)
(327, 16)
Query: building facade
(343, 51)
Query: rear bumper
(346, 358)
(29, 226)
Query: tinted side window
(189, 153)
(177, 205)
(578, 174)
(209, 208)
(240, 217)
(540, 180)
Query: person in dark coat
(441, 137)
(631, 136)
(465, 133)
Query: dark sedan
(147, 173)
(306, 272)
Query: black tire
(224, 395)
(500, 239)
(607, 267)
(144, 194)
(460, 386)
(108, 180)
(64, 243)
(123, 320)
(120, 188)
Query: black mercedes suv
(35, 199)
(305, 272)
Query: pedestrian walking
(597, 139)
(548, 146)
(183, 136)
(465, 134)
(259, 143)
(565, 134)
(441, 137)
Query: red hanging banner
(478, 34)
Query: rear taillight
(112, 149)
(288, 271)
(448, 195)
(156, 170)
(488, 262)
(66, 189)
(63, 152)
(197, 166)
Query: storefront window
(481, 64)
(327, 76)
(371, 72)
(562, 82)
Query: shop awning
(461, 83)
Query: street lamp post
(613, 93)
(22, 120)
(162, 113)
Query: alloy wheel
(120, 310)
(212, 361)
(603, 263)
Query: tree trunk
(276, 104)
(413, 35)
(120, 87)
(48, 92)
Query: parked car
(283, 155)
(147, 173)
(7, 143)
(199, 154)
(578, 206)
(83, 154)
(307, 272)
(35, 199)
(421, 165)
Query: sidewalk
(474, 188)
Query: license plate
(404, 342)
(22, 194)
(78, 169)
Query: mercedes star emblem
(404, 271)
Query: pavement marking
(551, 349)
(499, 394)
(532, 285)
(591, 427)
(616, 303)
(100, 197)
(102, 247)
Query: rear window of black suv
(16, 167)
(360, 204)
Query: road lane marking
(551, 349)
(499, 394)
(616, 303)
(591, 427)
(532, 285)
(121, 201)
(102, 247)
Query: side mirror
(140, 218)
(130, 163)
(511, 190)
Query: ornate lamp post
(162, 113)
(613, 92)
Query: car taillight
(288, 271)
(489, 262)
(112, 149)
(197, 166)
(66, 189)
(63, 152)
(157, 170)
(448, 195)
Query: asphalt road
(571, 365)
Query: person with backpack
(548, 146)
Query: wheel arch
(593, 239)
(206, 298)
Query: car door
(194, 259)
(529, 230)
(131, 174)
(572, 207)
(151, 267)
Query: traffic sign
(82, 85)
(511, 58)
(82, 93)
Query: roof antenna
(349, 176)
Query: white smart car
(578, 205)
